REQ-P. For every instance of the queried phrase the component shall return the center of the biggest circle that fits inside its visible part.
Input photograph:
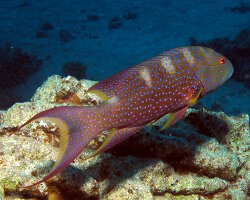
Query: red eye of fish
(222, 61)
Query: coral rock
(204, 156)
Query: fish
(166, 84)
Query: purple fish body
(166, 84)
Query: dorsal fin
(101, 95)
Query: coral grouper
(166, 84)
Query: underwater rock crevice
(206, 156)
(208, 124)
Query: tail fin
(74, 133)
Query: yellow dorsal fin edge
(100, 94)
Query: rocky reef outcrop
(203, 156)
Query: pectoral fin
(174, 117)
(193, 100)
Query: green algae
(8, 184)
(169, 196)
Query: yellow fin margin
(99, 149)
(194, 100)
(98, 93)
(64, 137)
(168, 121)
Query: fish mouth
(227, 75)
(231, 72)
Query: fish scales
(166, 84)
(146, 92)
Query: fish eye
(222, 60)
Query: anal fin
(115, 137)
(174, 117)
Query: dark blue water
(93, 39)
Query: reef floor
(203, 156)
